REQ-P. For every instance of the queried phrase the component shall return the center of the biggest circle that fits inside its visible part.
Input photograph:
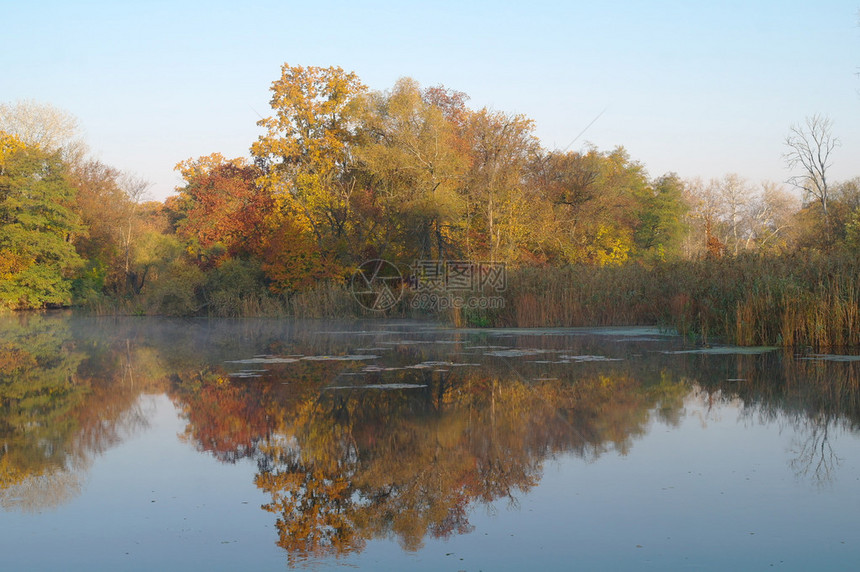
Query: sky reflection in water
(197, 444)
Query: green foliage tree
(660, 227)
(37, 226)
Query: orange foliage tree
(221, 211)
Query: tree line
(343, 174)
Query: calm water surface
(141, 444)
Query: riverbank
(795, 301)
(747, 300)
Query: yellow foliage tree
(305, 152)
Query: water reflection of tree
(348, 465)
(59, 406)
(818, 398)
(343, 466)
(814, 454)
(825, 403)
(225, 419)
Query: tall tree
(134, 188)
(809, 149)
(736, 196)
(104, 208)
(305, 153)
(501, 146)
(411, 152)
(770, 215)
(45, 126)
(594, 196)
(662, 210)
(37, 225)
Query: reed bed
(796, 301)
(748, 300)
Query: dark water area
(148, 443)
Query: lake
(151, 443)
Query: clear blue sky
(698, 88)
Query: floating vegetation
(354, 357)
(832, 357)
(727, 350)
(295, 358)
(385, 386)
(625, 331)
(247, 374)
(267, 359)
(373, 349)
(376, 368)
(578, 359)
(434, 364)
(517, 352)
(363, 333)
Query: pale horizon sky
(700, 89)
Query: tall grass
(578, 296)
(748, 300)
(326, 300)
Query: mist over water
(137, 443)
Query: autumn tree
(104, 209)
(594, 197)
(134, 188)
(736, 196)
(37, 225)
(771, 214)
(844, 208)
(163, 276)
(410, 151)
(705, 218)
(305, 154)
(810, 146)
(501, 204)
(220, 209)
(45, 126)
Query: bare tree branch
(809, 148)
